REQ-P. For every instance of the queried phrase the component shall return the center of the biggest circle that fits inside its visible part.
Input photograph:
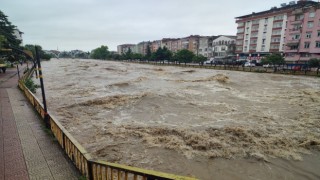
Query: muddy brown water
(208, 124)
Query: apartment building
(123, 48)
(303, 33)
(193, 44)
(205, 46)
(142, 47)
(262, 33)
(155, 45)
(223, 46)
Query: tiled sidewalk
(26, 150)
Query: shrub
(31, 85)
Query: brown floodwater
(209, 124)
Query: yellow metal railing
(91, 168)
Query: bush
(31, 85)
(314, 62)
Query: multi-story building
(155, 45)
(264, 32)
(205, 46)
(142, 47)
(175, 45)
(194, 44)
(303, 33)
(121, 49)
(223, 46)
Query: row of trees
(162, 54)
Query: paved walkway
(26, 150)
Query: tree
(184, 56)
(199, 59)
(166, 54)
(158, 55)
(128, 54)
(7, 30)
(148, 53)
(3, 41)
(100, 53)
(314, 62)
(138, 56)
(275, 59)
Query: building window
(299, 17)
(255, 22)
(307, 45)
(318, 33)
(263, 41)
(266, 20)
(263, 48)
(296, 36)
(310, 24)
(280, 17)
(312, 14)
(275, 47)
(317, 44)
(308, 35)
(294, 47)
(275, 39)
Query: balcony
(294, 30)
(293, 42)
(296, 21)
(274, 50)
(291, 50)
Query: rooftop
(283, 7)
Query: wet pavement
(26, 150)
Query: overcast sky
(87, 24)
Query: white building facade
(222, 46)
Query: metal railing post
(46, 117)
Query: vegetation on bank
(31, 85)
(11, 50)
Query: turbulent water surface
(193, 122)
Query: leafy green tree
(3, 41)
(166, 53)
(275, 59)
(199, 59)
(129, 54)
(314, 62)
(31, 48)
(7, 30)
(148, 53)
(100, 52)
(138, 56)
(162, 54)
(158, 55)
(184, 56)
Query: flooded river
(209, 124)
